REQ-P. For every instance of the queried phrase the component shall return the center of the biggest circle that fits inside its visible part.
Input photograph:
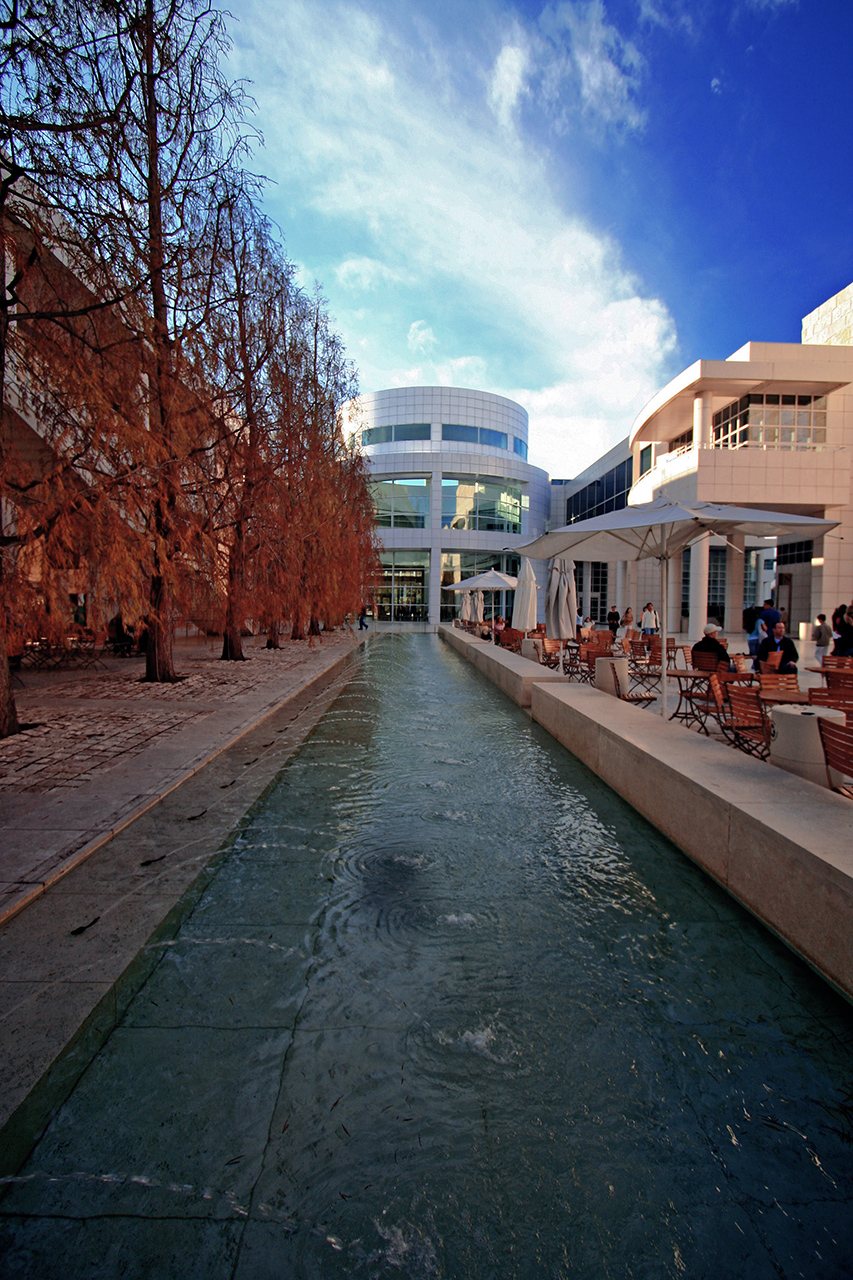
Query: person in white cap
(710, 644)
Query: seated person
(779, 641)
(710, 644)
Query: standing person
(844, 636)
(362, 618)
(649, 622)
(770, 615)
(778, 640)
(613, 620)
(628, 618)
(822, 636)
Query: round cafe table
(795, 743)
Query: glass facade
(716, 604)
(795, 552)
(402, 504)
(777, 421)
(402, 595)
(402, 431)
(519, 447)
(474, 435)
(598, 590)
(751, 561)
(458, 565)
(608, 493)
(472, 502)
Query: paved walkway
(110, 812)
(105, 746)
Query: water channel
(450, 1008)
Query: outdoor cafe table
(687, 683)
(783, 697)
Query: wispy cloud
(590, 63)
(437, 234)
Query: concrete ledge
(779, 844)
(515, 676)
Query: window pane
(520, 447)
(494, 439)
(412, 431)
(454, 431)
(376, 435)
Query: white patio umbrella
(561, 606)
(524, 605)
(492, 580)
(659, 530)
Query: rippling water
(451, 1009)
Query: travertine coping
(515, 676)
(779, 844)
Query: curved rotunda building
(453, 490)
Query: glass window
(774, 399)
(412, 431)
(376, 435)
(403, 592)
(458, 502)
(519, 447)
(804, 399)
(402, 504)
(645, 459)
(493, 439)
(789, 399)
(455, 431)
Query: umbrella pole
(664, 606)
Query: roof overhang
(670, 413)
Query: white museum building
(453, 491)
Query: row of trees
(170, 394)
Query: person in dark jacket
(710, 644)
(613, 620)
(776, 641)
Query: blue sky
(563, 203)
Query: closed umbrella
(466, 607)
(477, 606)
(659, 530)
(561, 602)
(524, 605)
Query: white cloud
(365, 273)
(420, 336)
(590, 58)
(453, 223)
(716, 85)
(507, 82)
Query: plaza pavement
(110, 812)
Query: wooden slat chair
(772, 681)
(551, 650)
(773, 662)
(708, 662)
(710, 705)
(635, 699)
(837, 660)
(837, 743)
(742, 662)
(511, 639)
(642, 672)
(748, 727)
(840, 699)
(587, 654)
(684, 650)
(839, 679)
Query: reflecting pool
(450, 1008)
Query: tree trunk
(159, 668)
(8, 714)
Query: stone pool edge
(67, 1044)
(778, 844)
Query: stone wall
(832, 322)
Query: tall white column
(699, 558)
(673, 595)
(734, 582)
(621, 596)
(631, 591)
(702, 420)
